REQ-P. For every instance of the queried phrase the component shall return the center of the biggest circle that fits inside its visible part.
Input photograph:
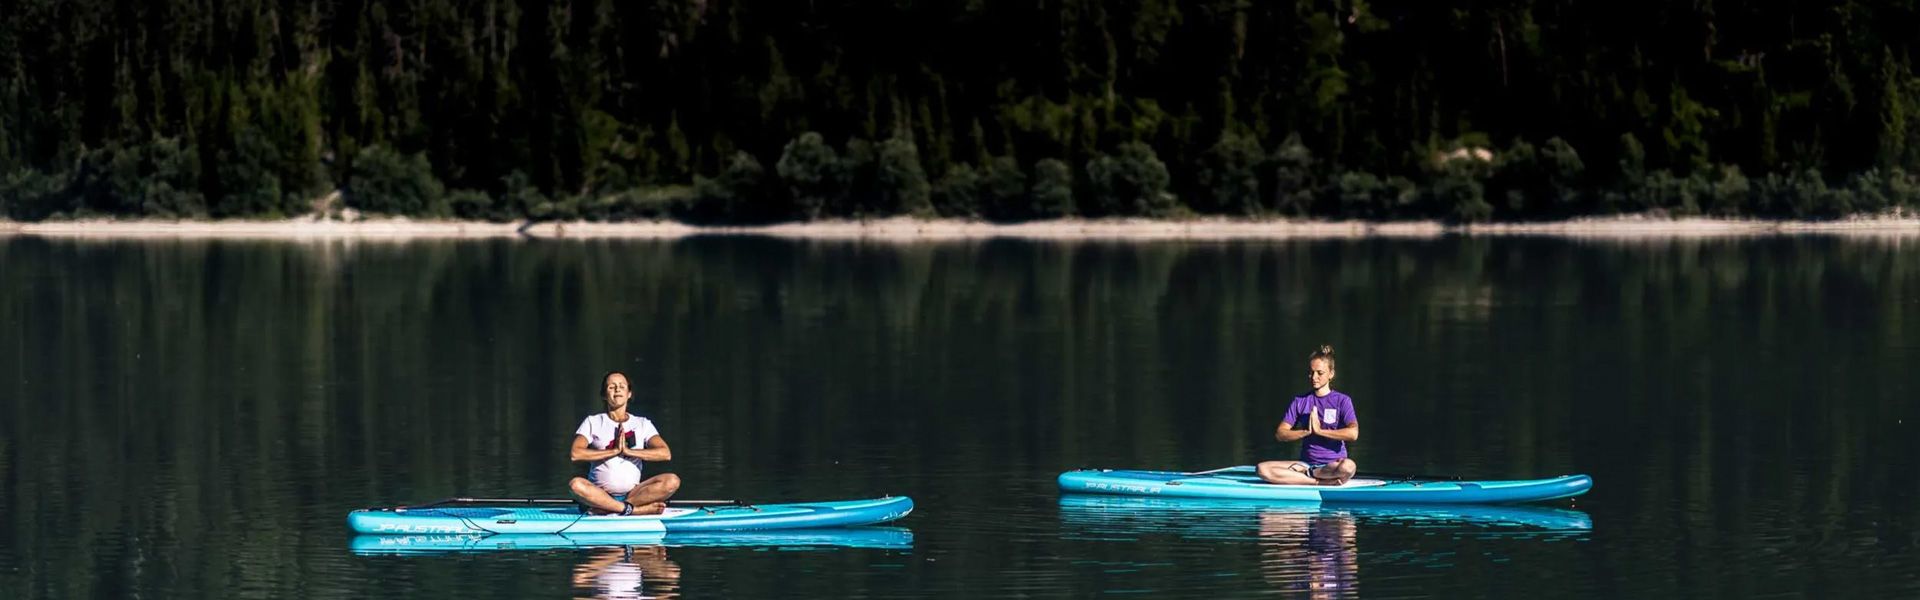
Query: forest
(739, 111)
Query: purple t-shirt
(1335, 411)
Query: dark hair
(1324, 353)
(609, 375)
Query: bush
(737, 194)
(1677, 195)
(1806, 193)
(30, 195)
(1902, 189)
(855, 193)
(1729, 194)
(1003, 190)
(1460, 174)
(1520, 180)
(1293, 183)
(387, 182)
(1628, 193)
(1133, 182)
(1229, 172)
(958, 192)
(248, 182)
(648, 203)
(1835, 203)
(1875, 192)
(1366, 196)
(473, 205)
(1360, 194)
(900, 185)
(810, 170)
(1566, 175)
(560, 209)
(520, 198)
(1458, 189)
(1771, 195)
(157, 178)
(1052, 189)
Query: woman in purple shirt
(1324, 422)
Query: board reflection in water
(1304, 547)
(1314, 552)
(628, 572)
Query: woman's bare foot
(653, 508)
(1335, 474)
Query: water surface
(195, 418)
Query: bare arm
(581, 453)
(1286, 433)
(1350, 433)
(656, 451)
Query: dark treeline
(723, 110)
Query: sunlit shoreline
(910, 229)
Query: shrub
(1566, 175)
(248, 181)
(738, 193)
(1052, 192)
(29, 195)
(157, 177)
(1360, 194)
(1520, 180)
(473, 205)
(809, 169)
(1003, 190)
(1132, 182)
(1458, 190)
(1730, 193)
(958, 192)
(1229, 172)
(520, 198)
(387, 182)
(1293, 183)
(900, 185)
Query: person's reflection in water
(626, 571)
(1310, 550)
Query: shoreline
(907, 229)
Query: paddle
(1388, 476)
(570, 501)
(1408, 477)
(1221, 470)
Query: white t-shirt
(618, 472)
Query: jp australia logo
(1118, 487)
(1330, 415)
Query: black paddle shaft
(568, 501)
(1408, 477)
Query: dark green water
(194, 419)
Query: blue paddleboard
(557, 517)
(1241, 483)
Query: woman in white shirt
(616, 443)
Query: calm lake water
(195, 418)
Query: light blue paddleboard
(556, 517)
(884, 538)
(1147, 513)
(1241, 483)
